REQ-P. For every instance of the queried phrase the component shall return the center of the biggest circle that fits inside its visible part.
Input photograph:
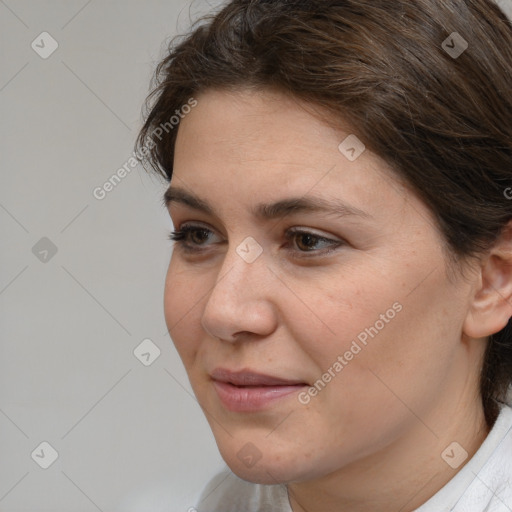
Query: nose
(241, 303)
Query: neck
(406, 473)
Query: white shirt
(484, 484)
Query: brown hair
(442, 121)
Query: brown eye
(198, 236)
(306, 241)
(190, 236)
(194, 238)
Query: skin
(409, 393)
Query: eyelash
(180, 236)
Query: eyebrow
(268, 211)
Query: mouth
(247, 390)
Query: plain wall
(129, 437)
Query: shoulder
(484, 484)
(498, 469)
(492, 486)
(226, 492)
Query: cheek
(379, 328)
(339, 309)
(182, 305)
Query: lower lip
(252, 398)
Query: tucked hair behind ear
(442, 121)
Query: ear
(491, 306)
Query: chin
(268, 474)
(256, 466)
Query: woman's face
(351, 319)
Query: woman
(340, 291)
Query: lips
(249, 378)
(250, 391)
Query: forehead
(256, 146)
(263, 125)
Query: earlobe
(491, 306)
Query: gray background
(129, 437)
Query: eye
(192, 238)
(307, 241)
(189, 236)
